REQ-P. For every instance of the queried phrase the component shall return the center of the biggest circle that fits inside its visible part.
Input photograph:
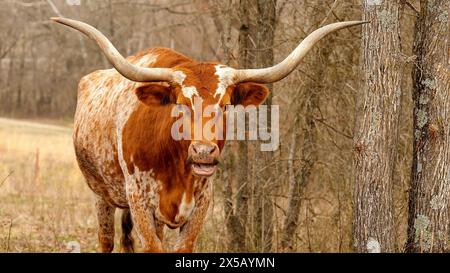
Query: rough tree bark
(429, 206)
(256, 36)
(238, 217)
(263, 173)
(376, 134)
(236, 232)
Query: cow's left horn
(281, 70)
(127, 69)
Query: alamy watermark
(73, 2)
(212, 123)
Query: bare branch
(54, 8)
(4, 180)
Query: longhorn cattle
(122, 136)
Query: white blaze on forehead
(188, 91)
(225, 75)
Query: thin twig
(4, 180)
(329, 13)
(322, 121)
(54, 8)
(412, 7)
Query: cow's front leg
(189, 231)
(141, 199)
(105, 216)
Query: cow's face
(205, 89)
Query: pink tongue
(203, 169)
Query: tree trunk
(429, 207)
(21, 71)
(238, 220)
(376, 135)
(292, 212)
(263, 176)
(250, 226)
(236, 231)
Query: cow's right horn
(128, 70)
(281, 70)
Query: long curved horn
(128, 70)
(281, 70)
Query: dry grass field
(44, 202)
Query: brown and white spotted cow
(123, 142)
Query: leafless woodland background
(41, 63)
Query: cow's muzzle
(203, 157)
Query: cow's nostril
(194, 149)
(212, 149)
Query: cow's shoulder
(98, 78)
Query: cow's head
(203, 90)
(212, 84)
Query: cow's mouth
(202, 169)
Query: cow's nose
(206, 149)
(203, 158)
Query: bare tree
(264, 171)
(429, 206)
(250, 225)
(376, 135)
(306, 151)
(238, 221)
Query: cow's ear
(249, 93)
(153, 94)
